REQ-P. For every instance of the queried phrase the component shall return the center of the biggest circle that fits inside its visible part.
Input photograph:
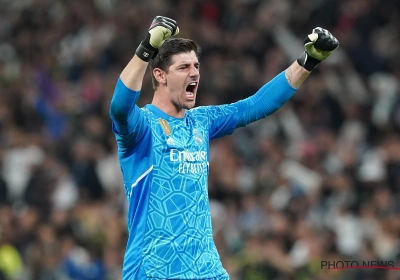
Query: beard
(183, 105)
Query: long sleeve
(125, 114)
(224, 119)
(268, 99)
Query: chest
(181, 146)
(180, 135)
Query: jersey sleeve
(224, 119)
(128, 121)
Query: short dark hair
(170, 47)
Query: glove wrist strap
(307, 61)
(146, 51)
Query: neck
(161, 101)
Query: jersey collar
(161, 114)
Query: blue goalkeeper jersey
(164, 162)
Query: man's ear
(160, 76)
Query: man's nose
(194, 71)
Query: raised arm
(317, 47)
(160, 29)
(123, 109)
(133, 73)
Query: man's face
(183, 80)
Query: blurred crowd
(319, 180)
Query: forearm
(296, 74)
(277, 92)
(133, 74)
(266, 101)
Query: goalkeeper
(164, 150)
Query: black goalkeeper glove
(160, 29)
(318, 46)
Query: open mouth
(190, 90)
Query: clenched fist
(160, 29)
(317, 47)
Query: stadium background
(317, 181)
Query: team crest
(170, 141)
(165, 126)
(198, 138)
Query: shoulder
(146, 112)
(149, 116)
(213, 111)
(198, 110)
(201, 112)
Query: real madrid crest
(165, 126)
(198, 138)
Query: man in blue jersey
(164, 150)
